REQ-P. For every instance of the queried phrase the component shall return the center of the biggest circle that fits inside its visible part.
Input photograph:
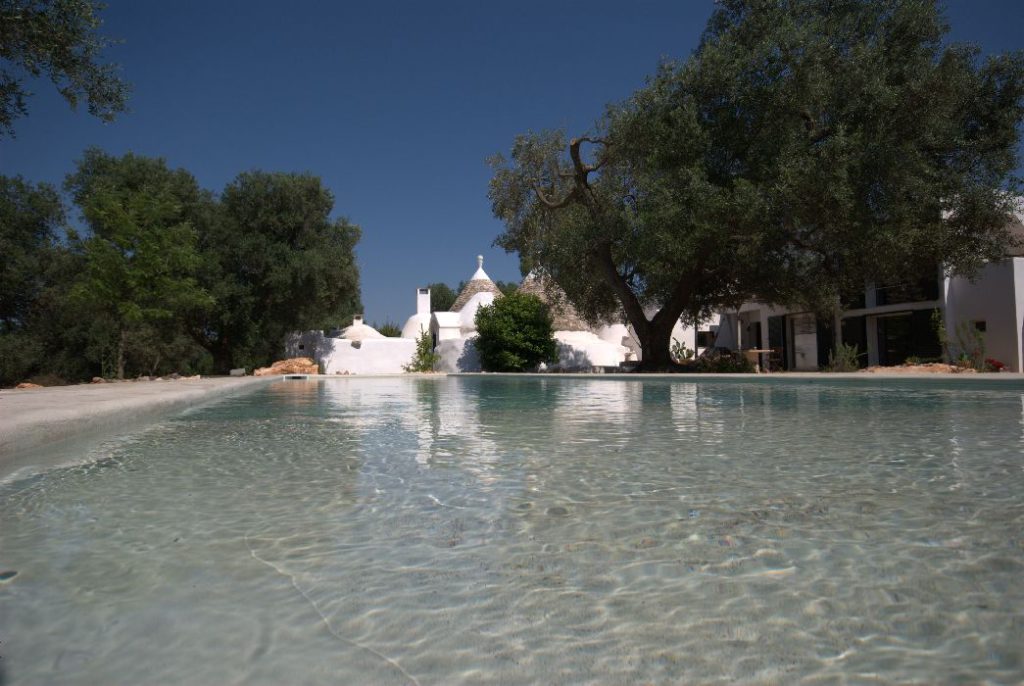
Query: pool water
(524, 531)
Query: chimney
(422, 301)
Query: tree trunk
(121, 344)
(655, 343)
(222, 359)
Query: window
(979, 326)
(705, 339)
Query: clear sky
(395, 105)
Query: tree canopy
(165, 276)
(804, 148)
(141, 258)
(276, 263)
(58, 40)
(442, 297)
(31, 218)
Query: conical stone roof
(564, 316)
(479, 283)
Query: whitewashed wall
(377, 356)
(993, 298)
(457, 355)
(581, 350)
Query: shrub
(843, 359)
(993, 365)
(389, 329)
(723, 362)
(514, 334)
(424, 359)
(679, 351)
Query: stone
(98, 379)
(294, 365)
(26, 384)
(237, 372)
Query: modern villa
(893, 323)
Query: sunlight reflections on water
(473, 530)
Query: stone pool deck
(41, 418)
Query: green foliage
(30, 218)
(805, 148)
(506, 287)
(680, 353)
(424, 359)
(968, 347)
(275, 262)
(723, 363)
(442, 297)
(167, 278)
(389, 329)
(845, 358)
(514, 334)
(58, 40)
(141, 259)
(939, 324)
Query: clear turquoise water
(522, 531)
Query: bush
(993, 365)
(843, 359)
(723, 362)
(389, 329)
(680, 353)
(424, 359)
(514, 334)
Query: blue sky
(395, 105)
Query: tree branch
(583, 169)
(630, 303)
(553, 204)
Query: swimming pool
(521, 530)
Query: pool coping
(1001, 380)
(40, 420)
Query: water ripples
(516, 531)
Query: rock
(295, 365)
(174, 375)
(98, 379)
(195, 377)
(238, 372)
(926, 368)
(26, 384)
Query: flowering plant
(993, 365)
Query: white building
(893, 322)
(358, 349)
(580, 347)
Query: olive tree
(805, 147)
(58, 40)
